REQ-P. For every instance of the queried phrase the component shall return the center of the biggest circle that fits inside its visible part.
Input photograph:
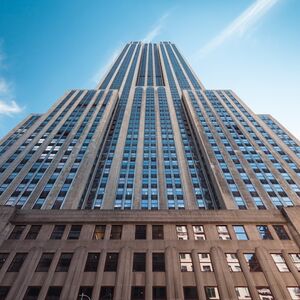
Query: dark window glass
(139, 262)
(158, 262)
(264, 232)
(33, 232)
(64, 262)
(17, 232)
(57, 232)
(116, 232)
(106, 293)
(53, 293)
(111, 262)
(159, 293)
(3, 258)
(157, 232)
(140, 232)
(45, 262)
(253, 263)
(17, 262)
(281, 232)
(190, 293)
(32, 293)
(3, 292)
(99, 232)
(92, 262)
(137, 293)
(74, 232)
(84, 292)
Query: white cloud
(9, 108)
(240, 25)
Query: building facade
(149, 187)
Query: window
(17, 262)
(295, 257)
(92, 262)
(99, 232)
(106, 293)
(264, 293)
(280, 262)
(137, 293)
(33, 232)
(139, 262)
(294, 292)
(45, 262)
(233, 262)
(186, 264)
(281, 232)
(181, 232)
(53, 293)
(205, 262)
(252, 262)
(64, 262)
(190, 293)
(212, 293)
(140, 232)
(240, 232)
(84, 292)
(111, 262)
(223, 232)
(32, 293)
(264, 232)
(198, 232)
(158, 262)
(74, 232)
(3, 258)
(157, 232)
(116, 232)
(57, 232)
(159, 293)
(242, 293)
(17, 232)
(4, 291)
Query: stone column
(198, 275)
(169, 274)
(99, 275)
(149, 276)
(291, 266)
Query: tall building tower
(149, 187)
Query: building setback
(149, 187)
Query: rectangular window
(74, 232)
(32, 293)
(85, 292)
(17, 262)
(111, 262)
(264, 293)
(3, 258)
(64, 262)
(240, 232)
(139, 262)
(252, 262)
(186, 264)
(4, 292)
(212, 293)
(280, 262)
(198, 232)
(17, 232)
(57, 232)
(53, 293)
(159, 293)
(233, 262)
(264, 232)
(45, 262)
(223, 232)
(99, 232)
(92, 262)
(157, 232)
(158, 262)
(107, 293)
(137, 293)
(242, 293)
(190, 293)
(116, 232)
(281, 232)
(181, 231)
(205, 262)
(33, 232)
(140, 232)
(294, 292)
(295, 257)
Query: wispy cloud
(156, 30)
(240, 25)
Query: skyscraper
(150, 187)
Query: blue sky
(250, 46)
